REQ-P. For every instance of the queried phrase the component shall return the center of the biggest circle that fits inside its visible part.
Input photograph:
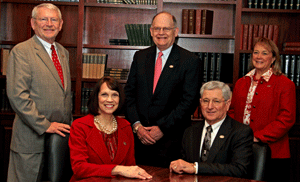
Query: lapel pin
(171, 66)
(124, 143)
(221, 136)
(268, 85)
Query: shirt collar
(46, 44)
(266, 76)
(216, 126)
(166, 52)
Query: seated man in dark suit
(218, 145)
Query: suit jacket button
(253, 106)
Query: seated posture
(102, 145)
(218, 145)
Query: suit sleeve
(131, 93)
(238, 161)
(18, 90)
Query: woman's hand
(131, 172)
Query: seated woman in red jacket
(265, 99)
(102, 145)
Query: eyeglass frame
(164, 29)
(215, 102)
(45, 20)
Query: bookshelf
(89, 25)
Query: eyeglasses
(215, 102)
(45, 20)
(165, 29)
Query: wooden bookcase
(89, 25)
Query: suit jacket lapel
(98, 145)
(149, 69)
(221, 137)
(42, 53)
(169, 67)
(123, 146)
(197, 142)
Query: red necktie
(57, 64)
(157, 71)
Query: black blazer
(176, 94)
(230, 153)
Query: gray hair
(45, 5)
(226, 92)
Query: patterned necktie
(206, 144)
(57, 64)
(157, 71)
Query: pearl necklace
(102, 128)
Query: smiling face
(46, 24)
(108, 100)
(262, 58)
(163, 39)
(213, 105)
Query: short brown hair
(113, 84)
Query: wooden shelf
(206, 36)
(230, 2)
(131, 6)
(256, 10)
(118, 47)
(39, 2)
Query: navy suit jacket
(176, 94)
(230, 153)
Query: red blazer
(88, 153)
(273, 111)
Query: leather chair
(261, 158)
(57, 159)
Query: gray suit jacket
(36, 94)
(230, 153)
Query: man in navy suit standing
(219, 145)
(162, 92)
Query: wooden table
(163, 174)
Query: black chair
(261, 158)
(57, 159)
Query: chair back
(261, 158)
(57, 165)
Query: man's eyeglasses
(45, 20)
(165, 29)
(215, 102)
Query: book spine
(212, 66)
(250, 36)
(297, 70)
(286, 65)
(292, 70)
(191, 27)
(250, 3)
(245, 36)
(198, 21)
(271, 32)
(185, 14)
(207, 21)
(241, 37)
(276, 34)
(205, 67)
(255, 31)
(218, 66)
(260, 30)
(291, 44)
(266, 31)
(291, 49)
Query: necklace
(102, 128)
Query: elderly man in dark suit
(39, 90)
(219, 145)
(162, 92)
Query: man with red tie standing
(39, 90)
(162, 92)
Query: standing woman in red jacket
(265, 99)
(101, 144)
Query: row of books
(60, 0)
(274, 4)
(4, 60)
(117, 73)
(291, 46)
(217, 66)
(5, 105)
(85, 94)
(118, 42)
(290, 66)
(145, 2)
(139, 34)
(93, 65)
(197, 21)
(250, 31)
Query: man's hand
(144, 136)
(155, 132)
(180, 166)
(58, 128)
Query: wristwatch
(136, 128)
